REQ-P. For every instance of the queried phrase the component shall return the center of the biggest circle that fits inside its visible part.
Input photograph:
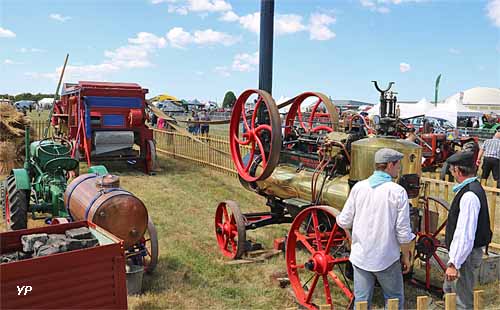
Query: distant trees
(26, 96)
(229, 100)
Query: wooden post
(422, 302)
(492, 197)
(362, 305)
(393, 304)
(450, 301)
(478, 300)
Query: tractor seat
(64, 163)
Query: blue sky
(202, 48)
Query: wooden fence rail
(450, 303)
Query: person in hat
(467, 229)
(377, 212)
(491, 158)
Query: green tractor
(40, 185)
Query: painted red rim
(295, 114)
(252, 137)
(312, 242)
(230, 229)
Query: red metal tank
(98, 199)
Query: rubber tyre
(18, 205)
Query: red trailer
(91, 278)
(105, 121)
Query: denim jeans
(390, 279)
(464, 285)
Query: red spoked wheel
(230, 229)
(315, 244)
(261, 136)
(150, 243)
(427, 240)
(295, 114)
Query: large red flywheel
(295, 114)
(259, 135)
(315, 245)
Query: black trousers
(491, 164)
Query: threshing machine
(105, 121)
(305, 176)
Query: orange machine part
(108, 206)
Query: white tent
(407, 110)
(45, 103)
(451, 110)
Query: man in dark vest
(467, 230)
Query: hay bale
(12, 128)
(8, 157)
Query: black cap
(464, 159)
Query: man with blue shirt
(377, 211)
(467, 230)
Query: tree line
(26, 96)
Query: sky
(203, 48)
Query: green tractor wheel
(16, 206)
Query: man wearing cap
(467, 230)
(491, 160)
(377, 211)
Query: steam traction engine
(306, 175)
(104, 121)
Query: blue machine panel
(113, 102)
(113, 120)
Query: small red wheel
(295, 114)
(262, 136)
(427, 240)
(150, 242)
(230, 229)
(315, 244)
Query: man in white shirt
(467, 230)
(377, 211)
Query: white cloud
(199, 6)
(6, 33)
(208, 5)
(245, 62)
(382, 6)
(251, 22)
(11, 62)
(177, 37)
(31, 50)
(288, 23)
(493, 9)
(59, 17)
(180, 38)
(404, 67)
(229, 16)
(148, 40)
(209, 36)
(130, 56)
(222, 70)
(318, 27)
(454, 51)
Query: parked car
(439, 125)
